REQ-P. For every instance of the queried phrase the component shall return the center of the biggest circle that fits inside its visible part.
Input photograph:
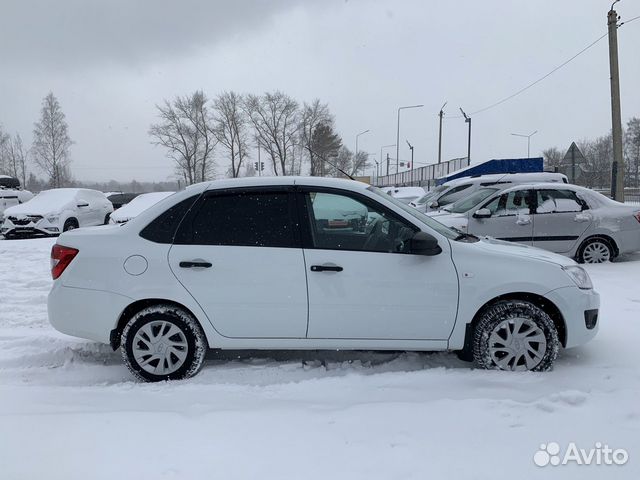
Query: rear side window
(252, 219)
(452, 195)
(163, 228)
(559, 201)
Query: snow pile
(138, 205)
(70, 409)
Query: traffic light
(255, 165)
(262, 166)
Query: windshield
(465, 204)
(425, 198)
(430, 222)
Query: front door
(510, 218)
(362, 282)
(560, 219)
(238, 254)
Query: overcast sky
(110, 62)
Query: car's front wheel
(163, 342)
(515, 335)
(70, 224)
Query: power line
(522, 90)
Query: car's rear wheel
(595, 250)
(70, 224)
(163, 342)
(515, 335)
(106, 218)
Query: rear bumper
(79, 312)
(577, 308)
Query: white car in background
(405, 194)
(136, 206)
(55, 211)
(454, 190)
(567, 219)
(250, 263)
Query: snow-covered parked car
(454, 190)
(58, 210)
(10, 197)
(249, 264)
(567, 219)
(405, 194)
(137, 205)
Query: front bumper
(41, 227)
(85, 313)
(577, 308)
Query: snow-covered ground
(70, 410)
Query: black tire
(70, 224)
(489, 353)
(170, 315)
(588, 251)
(107, 217)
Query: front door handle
(326, 268)
(195, 264)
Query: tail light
(61, 257)
(637, 215)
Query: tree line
(290, 138)
(595, 171)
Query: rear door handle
(195, 264)
(326, 268)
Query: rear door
(238, 254)
(510, 217)
(560, 219)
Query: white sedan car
(136, 206)
(250, 264)
(567, 219)
(54, 211)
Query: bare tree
(16, 156)
(632, 148)
(599, 156)
(313, 116)
(51, 143)
(274, 117)
(552, 158)
(186, 131)
(4, 142)
(231, 128)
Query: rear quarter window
(163, 228)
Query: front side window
(512, 203)
(260, 219)
(559, 201)
(465, 204)
(339, 222)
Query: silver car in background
(567, 219)
(454, 190)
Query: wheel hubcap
(160, 347)
(596, 252)
(517, 344)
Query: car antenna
(323, 158)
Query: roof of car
(286, 180)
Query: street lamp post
(398, 135)
(381, 148)
(528, 137)
(467, 119)
(361, 133)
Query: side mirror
(83, 205)
(423, 243)
(482, 213)
(434, 204)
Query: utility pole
(387, 163)
(382, 164)
(467, 119)
(617, 169)
(411, 169)
(441, 114)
